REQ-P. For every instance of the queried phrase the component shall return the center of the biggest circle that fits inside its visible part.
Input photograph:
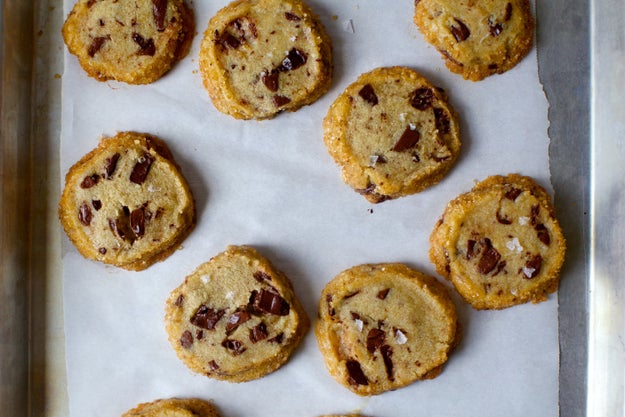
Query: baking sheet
(272, 184)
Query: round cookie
(392, 133)
(235, 318)
(500, 244)
(477, 38)
(384, 326)
(126, 203)
(261, 57)
(174, 407)
(134, 41)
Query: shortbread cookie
(500, 244)
(384, 326)
(174, 407)
(261, 57)
(126, 203)
(235, 318)
(477, 38)
(134, 41)
(393, 134)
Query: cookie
(261, 57)
(477, 38)
(134, 41)
(384, 326)
(126, 202)
(235, 318)
(500, 244)
(174, 407)
(392, 133)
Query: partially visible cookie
(477, 38)
(384, 326)
(235, 318)
(126, 202)
(174, 407)
(500, 244)
(261, 57)
(393, 134)
(134, 41)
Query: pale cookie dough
(261, 57)
(500, 244)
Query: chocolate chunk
(387, 353)
(89, 181)
(90, 3)
(258, 332)
(294, 59)
(277, 339)
(489, 259)
(355, 374)
(186, 340)
(408, 140)
(471, 248)
(279, 101)
(159, 10)
(213, 365)
(227, 40)
(383, 293)
(206, 317)
(146, 47)
(269, 302)
(137, 221)
(502, 218)
(367, 93)
(532, 266)
(261, 276)
(97, 44)
(179, 300)
(513, 193)
(543, 234)
(199, 335)
(117, 228)
(271, 80)
(234, 346)
(351, 294)
(375, 339)
(500, 267)
(102, 251)
(84, 214)
(508, 14)
(96, 204)
(534, 212)
(126, 210)
(236, 319)
(422, 98)
(495, 28)
(109, 165)
(460, 31)
(441, 119)
(292, 17)
(142, 168)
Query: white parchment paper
(273, 185)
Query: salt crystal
(205, 278)
(514, 245)
(359, 324)
(400, 337)
(348, 26)
(523, 220)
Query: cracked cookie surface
(261, 57)
(126, 202)
(383, 326)
(392, 133)
(477, 38)
(133, 41)
(235, 318)
(500, 244)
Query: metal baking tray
(581, 56)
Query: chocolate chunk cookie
(500, 244)
(393, 134)
(384, 326)
(134, 41)
(174, 407)
(477, 38)
(126, 203)
(261, 57)
(235, 318)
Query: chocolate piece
(508, 14)
(422, 98)
(146, 47)
(206, 317)
(159, 10)
(269, 302)
(495, 28)
(383, 293)
(277, 339)
(408, 140)
(513, 193)
(234, 346)
(375, 339)
(271, 80)
(489, 259)
(96, 204)
(502, 218)
(387, 353)
(89, 181)
(543, 234)
(471, 248)
(441, 119)
(355, 374)
(258, 332)
(179, 300)
(261, 276)
(117, 227)
(102, 251)
(367, 93)
(227, 40)
(186, 340)
(294, 59)
(137, 221)
(97, 44)
(236, 319)
(141, 169)
(532, 266)
(292, 17)
(84, 214)
(109, 166)
(213, 365)
(279, 100)
(534, 212)
(460, 31)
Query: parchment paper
(273, 185)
